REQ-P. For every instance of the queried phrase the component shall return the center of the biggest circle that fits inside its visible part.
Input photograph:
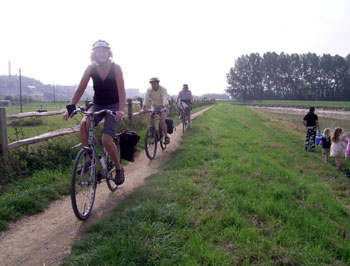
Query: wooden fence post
(4, 152)
(130, 110)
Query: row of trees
(290, 77)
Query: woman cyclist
(109, 93)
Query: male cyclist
(108, 83)
(185, 95)
(159, 97)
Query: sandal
(167, 140)
(119, 179)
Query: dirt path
(45, 238)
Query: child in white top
(337, 145)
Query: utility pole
(54, 97)
(20, 88)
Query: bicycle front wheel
(161, 139)
(111, 174)
(183, 118)
(151, 143)
(83, 185)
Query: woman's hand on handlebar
(65, 116)
(70, 109)
(119, 116)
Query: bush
(23, 162)
(34, 121)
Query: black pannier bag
(170, 125)
(128, 145)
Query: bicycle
(184, 114)
(153, 136)
(85, 175)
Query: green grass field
(345, 105)
(240, 190)
(35, 106)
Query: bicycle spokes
(83, 185)
(151, 143)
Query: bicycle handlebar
(181, 105)
(152, 111)
(82, 110)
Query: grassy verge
(299, 104)
(39, 174)
(240, 190)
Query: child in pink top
(347, 150)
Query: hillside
(36, 90)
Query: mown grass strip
(240, 190)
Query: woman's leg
(112, 149)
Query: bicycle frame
(155, 115)
(93, 143)
(85, 177)
(183, 107)
(157, 134)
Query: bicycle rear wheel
(183, 118)
(151, 143)
(161, 139)
(83, 185)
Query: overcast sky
(179, 41)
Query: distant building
(133, 93)
(10, 68)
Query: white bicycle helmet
(155, 79)
(100, 43)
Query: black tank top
(106, 91)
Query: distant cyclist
(159, 97)
(185, 95)
(108, 83)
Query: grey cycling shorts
(110, 125)
(157, 108)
